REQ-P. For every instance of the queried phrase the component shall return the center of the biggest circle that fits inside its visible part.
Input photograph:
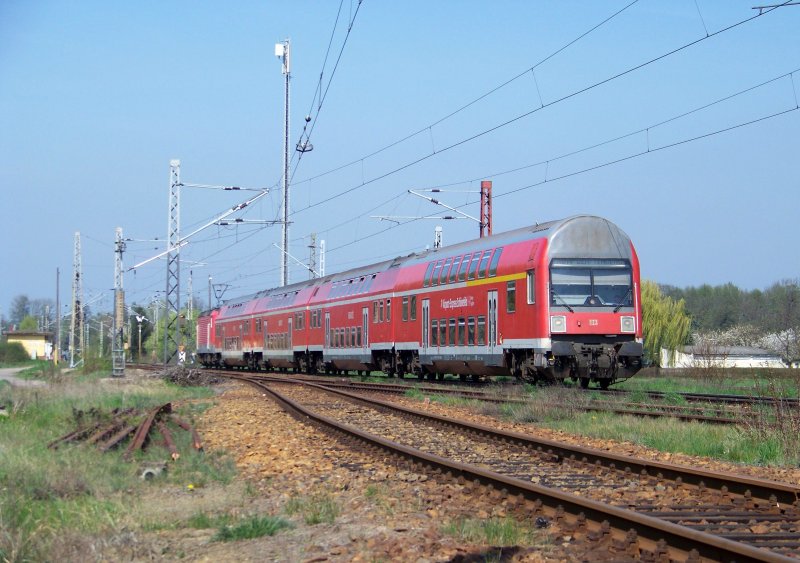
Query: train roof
(569, 237)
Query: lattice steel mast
(76, 325)
(172, 333)
(117, 343)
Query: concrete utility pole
(76, 349)
(117, 343)
(172, 333)
(282, 52)
(57, 343)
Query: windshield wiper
(622, 303)
(563, 302)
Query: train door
(426, 324)
(265, 328)
(289, 335)
(365, 323)
(327, 330)
(492, 336)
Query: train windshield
(590, 283)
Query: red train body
(555, 300)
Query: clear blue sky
(97, 97)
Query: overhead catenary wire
(474, 101)
(608, 163)
(507, 122)
(593, 146)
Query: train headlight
(558, 323)
(627, 324)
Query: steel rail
(653, 529)
(736, 484)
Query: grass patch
(50, 494)
(493, 532)
(315, 509)
(727, 443)
(252, 527)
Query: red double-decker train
(543, 303)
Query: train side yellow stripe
(497, 279)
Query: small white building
(711, 356)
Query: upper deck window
(484, 263)
(495, 261)
(590, 283)
(454, 269)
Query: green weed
(315, 509)
(253, 527)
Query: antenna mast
(282, 52)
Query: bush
(13, 353)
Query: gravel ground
(386, 513)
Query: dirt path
(9, 374)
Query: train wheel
(604, 383)
(462, 377)
(584, 382)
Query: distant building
(711, 356)
(38, 345)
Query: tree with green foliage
(664, 322)
(29, 324)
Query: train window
(246, 327)
(454, 270)
(511, 296)
(405, 309)
(473, 265)
(374, 311)
(358, 336)
(426, 281)
(443, 332)
(531, 287)
(451, 332)
(462, 272)
(388, 310)
(481, 331)
(570, 286)
(471, 331)
(495, 261)
(380, 311)
(613, 287)
(258, 326)
(436, 269)
(484, 263)
(445, 271)
(434, 332)
(413, 311)
(462, 331)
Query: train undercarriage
(582, 362)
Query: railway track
(698, 514)
(716, 409)
(707, 414)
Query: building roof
(713, 350)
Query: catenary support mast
(172, 333)
(117, 343)
(76, 337)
